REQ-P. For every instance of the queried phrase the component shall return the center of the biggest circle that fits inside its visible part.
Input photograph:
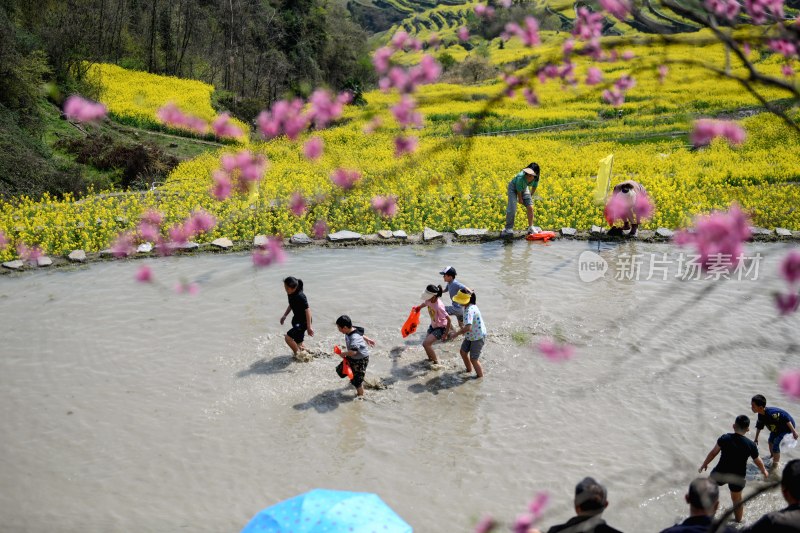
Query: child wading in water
(301, 314)
(474, 331)
(356, 353)
(440, 320)
(736, 449)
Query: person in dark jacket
(786, 520)
(590, 502)
(703, 500)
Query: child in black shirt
(301, 314)
(732, 466)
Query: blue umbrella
(329, 511)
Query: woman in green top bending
(520, 191)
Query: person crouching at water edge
(520, 191)
(301, 314)
(627, 203)
(474, 331)
(357, 353)
(440, 320)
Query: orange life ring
(541, 236)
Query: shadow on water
(448, 380)
(325, 401)
(267, 366)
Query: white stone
(260, 240)
(78, 256)
(385, 234)
(430, 234)
(665, 233)
(470, 232)
(569, 232)
(43, 261)
(14, 265)
(144, 248)
(783, 232)
(399, 234)
(222, 242)
(344, 235)
(300, 238)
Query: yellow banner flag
(603, 180)
(253, 198)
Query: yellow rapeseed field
(134, 97)
(453, 182)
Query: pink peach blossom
(3, 240)
(312, 150)
(222, 185)
(297, 205)
(588, 25)
(538, 504)
(30, 254)
(790, 267)
(554, 351)
(144, 274)
(123, 245)
(787, 303)
(463, 34)
(271, 253)
(706, 130)
(718, 235)
(614, 97)
(530, 96)
(789, 382)
(380, 59)
(185, 287)
(522, 523)
(80, 109)
(345, 178)
(223, 127)
(320, 229)
(663, 70)
(594, 76)
(385, 206)
(618, 8)
(404, 145)
(200, 222)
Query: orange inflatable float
(543, 236)
(346, 370)
(411, 323)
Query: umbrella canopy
(328, 511)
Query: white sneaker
(507, 233)
(534, 229)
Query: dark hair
(344, 322)
(742, 422)
(435, 289)
(535, 168)
(293, 283)
(703, 494)
(473, 298)
(759, 400)
(590, 495)
(791, 478)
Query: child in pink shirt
(440, 320)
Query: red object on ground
(541, 236)
(337, 350)
(411, 323)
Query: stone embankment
(383, 237)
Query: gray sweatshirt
(355, 342)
